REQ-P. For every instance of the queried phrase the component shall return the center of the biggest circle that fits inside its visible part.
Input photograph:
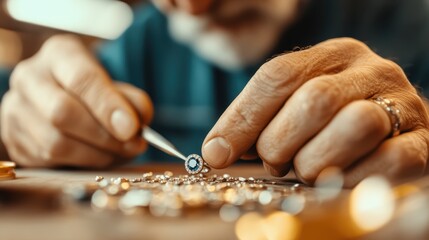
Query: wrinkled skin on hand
(309, 109)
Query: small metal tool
(156, 140)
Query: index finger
(82, 76)
(240, 125)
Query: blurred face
(229, 33)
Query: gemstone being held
(194, 164)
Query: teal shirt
(4, 80)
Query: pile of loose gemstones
(169, 195)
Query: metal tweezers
(158, 141)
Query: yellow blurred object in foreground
(7, 170)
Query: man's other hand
(63, 109)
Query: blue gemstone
(193, 164)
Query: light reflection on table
(373, 210)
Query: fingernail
(122, 124)
(217, 151)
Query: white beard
(227, 50)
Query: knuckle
(392, 73)
(351, 43)
(267, 150)
(55, 146)
(422, 147)
(80, 81)
(407, 159)
(414, 100)
(143, 101)
(276, 68)
(246, 120)
(367, 121)
(7, 97)
(347, 43)
(341, 54)
(397, 156)
(60, 42)
(147, 108)
(7, 103)
(86, 85)
(306, 173)
(392, 68)
(21, 73)
(413, 112)
(417, 147)
(418, 164)
(272, 77)
(61, 111)
(320, 98)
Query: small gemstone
(99, 178)
(194, 164)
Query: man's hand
(63, 110)
(310, 109)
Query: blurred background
(26, 24)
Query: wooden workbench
(31, 207)
(33, 212)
